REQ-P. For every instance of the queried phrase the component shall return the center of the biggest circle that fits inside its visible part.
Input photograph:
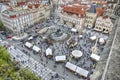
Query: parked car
(9, 36)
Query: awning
(35, 48)
(29, 45)
(76, 53)
(95, 57)
(60, 58)
(82, 72)
(48, 51)
(71, 66)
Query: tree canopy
(1, 24)
(8, 70)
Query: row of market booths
(33, 47)
(80, 71)
(48, 52)
(77, 69)
(62, 58)
(75, 53)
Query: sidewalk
(19, 38)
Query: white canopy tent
(48, 52)
(44, 30)
(101, 41)
(30, 38)
(82, 72)
(95, 57)
(71, 66)
(93, 38)
(60, 58)
(74, 30)
(35, 48)
(77, 53)
(29, 45)
(80, 36)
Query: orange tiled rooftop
(76, 9)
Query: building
(110, 8)
(91, 15)
(103, 24)
(4, 1)
(90, 19)
(19, 19)
(73, 15)
(117, 9)
(2, 8)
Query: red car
(8, 37)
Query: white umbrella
(77, 53)
(101, 41)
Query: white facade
(24, 18)
(103, 24)
(19, 23)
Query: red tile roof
(13, 16)
(20, 3)
(100, 11)
(79, 10)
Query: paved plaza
(61, 48)
(84, 44)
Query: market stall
(80, 36)
(93, 38)
(82, 72)
(74, 30)
(36, 49)
(49, 52)
(28, 45)
(60, 58)
(95, 57)
(71, 66)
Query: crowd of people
(61, 48)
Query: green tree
(4, 54)
(11, 70)
(1, 24)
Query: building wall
(103, 25)
(71, 20)
(90, 19)
(24, 21)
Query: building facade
(73, 15)
(19, 19)
(92, 13)
(103, 24)
(90, 19)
